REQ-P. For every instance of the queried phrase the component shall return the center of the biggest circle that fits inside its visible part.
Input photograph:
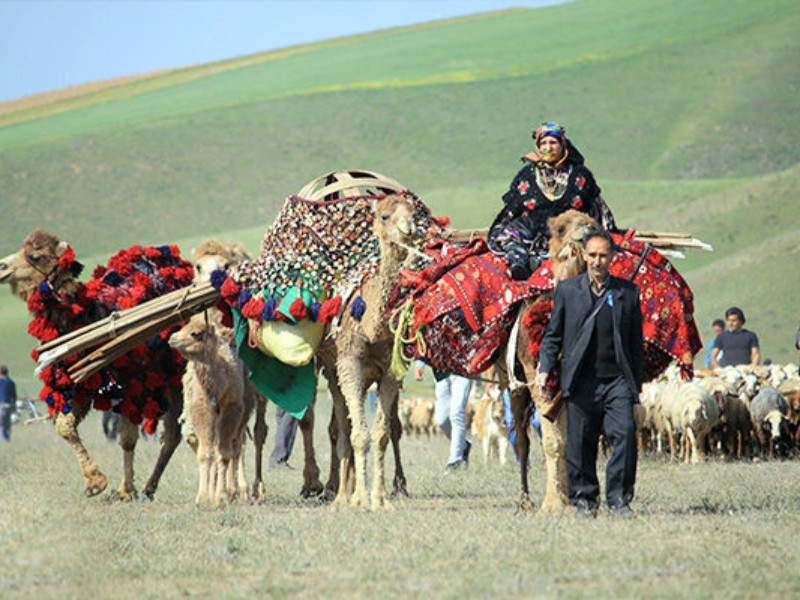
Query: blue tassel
(268, 312)
(218, 277)
(45, 291)
(166, 252)
(313, 311)
(244, 296)
(358, 308)
(49, 401)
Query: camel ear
(62, 247)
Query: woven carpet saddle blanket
(135, 384)
(316, 250)
(465, 304)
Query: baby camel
(218, 407)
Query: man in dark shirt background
(738, 346)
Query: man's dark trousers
(585, 419)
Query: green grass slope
(686, 111)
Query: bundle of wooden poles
(121, 331)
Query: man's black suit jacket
(573, 303)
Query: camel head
(196, 339)
(213, 255)
(35, 260)
(394, 220)
(566, 242)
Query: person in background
(553, 180)
(737, 345)
(718, 326)
(452, 394)
(8, 402)
(285, 432)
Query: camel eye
(198, 335)
(34, 258)
(226, 267)
(385, 217)
(198, 267)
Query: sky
(47, 45)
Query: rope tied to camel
(401, 324)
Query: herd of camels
(355, 353)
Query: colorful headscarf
(549, 129)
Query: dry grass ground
(709, 530)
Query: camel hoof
(126, 495)
(525, 505)
(399, 489)
(555, 507)
(259, 492)
(313, 492)
(381, 505)
(96, 485)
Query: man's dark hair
(3, 370)
(718, 323)
(596, 232)
(736, 311)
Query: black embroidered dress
(538, 192)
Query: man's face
(734, 322)
(598, 256)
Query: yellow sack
(292, 344)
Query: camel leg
(312, 486)
(388, 394)
(238, 464)
(554, 437)
(128, 436)
(352, 385)
(399, 484)
(228, 431)
(260, 430)
(205, 468)
(67, 429)
(340, 437)
(332, 486)
(170, 439)
(520, 407)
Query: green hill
(687, 113)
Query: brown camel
(566, 235)
(360, 354)
(35, 263)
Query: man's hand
(540, 380)
(418, 371)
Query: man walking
(596, 328)
(737, 345)
(8, 402)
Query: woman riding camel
(553, 180)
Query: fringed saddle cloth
(465, 303)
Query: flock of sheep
(734, 412)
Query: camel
(44, 262)
(218, 406)
(209, 257)
(360, 354)
(566, 235)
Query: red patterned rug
(465, 304)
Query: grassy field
(702, 531)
